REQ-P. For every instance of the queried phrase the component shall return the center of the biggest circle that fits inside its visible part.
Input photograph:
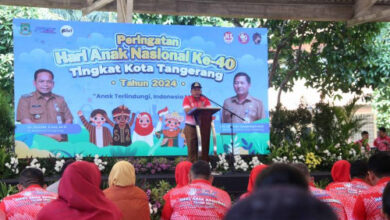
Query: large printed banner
(118, 89)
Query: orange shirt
(131, 200)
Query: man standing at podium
(195, 100)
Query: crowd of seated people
(360, 191)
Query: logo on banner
(66, 31)
(228, 37)
(256, 38)
(243, 38)
(25, 29)
(45, 30)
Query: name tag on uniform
(36, 106)
(36, 116)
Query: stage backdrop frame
(122, 72)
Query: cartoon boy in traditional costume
(98, 134)
(171, 134)
(122, 126)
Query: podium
(203, 128)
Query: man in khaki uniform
(244, 105)
(43, 106)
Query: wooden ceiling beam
(125, 10)
(361, 12)
(270, 9)
(361, 6)
(95, 6)
(383, 15)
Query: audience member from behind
(32, 197)
(323, 195)
(131, 200)
(182, 176)
(54, 187)
(359, 172)
(340, 172)
(199, 199)
(281, 203)
(347, 192)
(368, 205)
(386, 202)
(382, 142)
(280, 174)
(80, 197)
(252, 179)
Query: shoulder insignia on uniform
(57, 96)
(27, 95)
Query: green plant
(155, 195)
(6, 121)
(335, 125)
(289, 125)
(6, 190)
(381, 103)
(5, 157)
(322, 183)
(318, 137)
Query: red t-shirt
(26, 204)
(198, 200)
(347, 193)
(382, 144)
(368, 205)
(191, 102)
(366, 145)
(325, 196)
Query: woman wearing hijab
(182, 177)
(340, 172)
(252, 179)
(131, 200)
(80, 197)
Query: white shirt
(99, 136)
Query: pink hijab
(341, 171)
(252, 179)
(181, 173)
(80, 197)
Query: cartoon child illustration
(121, 131)
(98, 134)
(143, 130)
(171, 134)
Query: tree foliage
(381, 61)
(381, 103)
(328, 55)
(7, 14)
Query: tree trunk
(291, 73)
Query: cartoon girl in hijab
(144, 130)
